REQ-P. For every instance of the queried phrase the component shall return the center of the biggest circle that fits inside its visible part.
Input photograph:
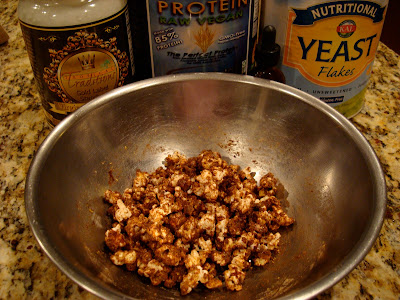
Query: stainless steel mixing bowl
(334, 186)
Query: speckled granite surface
(26, 273)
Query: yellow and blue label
(330, 47)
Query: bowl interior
(331, 182)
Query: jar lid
(268, 52)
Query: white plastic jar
(78, 49)
(329, 46)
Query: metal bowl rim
(349, 262)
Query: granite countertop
(25, 272)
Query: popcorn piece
(234, 278)
(207, 187)
(189, 231)
(221, 258)
(192, 278)
(115, 239)
(122, 212)
(156, 271)
(175, 276)
(112, 197)
(124, 257)
(141, 179)
(169, 254)
(207, 222)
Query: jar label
(88, 73)
(339, 56)
(201, 36)
(329, 47)
(73, 65)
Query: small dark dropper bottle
(267, 56)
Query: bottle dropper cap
(268, 52)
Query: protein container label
(330, 48)
(80, 62)
(199, 36)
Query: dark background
(391, 28)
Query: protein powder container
(328, 46)
(78, 49)
(195, 36)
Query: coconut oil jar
(328, 46)
(78, 49)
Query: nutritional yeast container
(78, 49)
(328, 46)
